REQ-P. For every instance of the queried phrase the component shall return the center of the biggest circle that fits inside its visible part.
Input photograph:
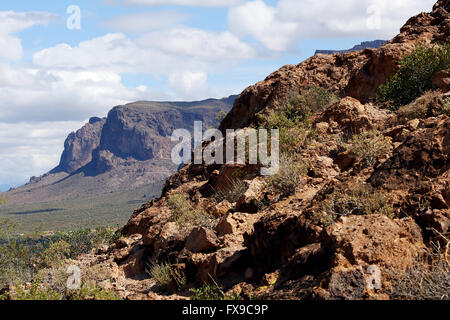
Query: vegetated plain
(106, 210)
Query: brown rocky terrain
(266, 244)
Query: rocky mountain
(129, 148)
(376, 44)
(353, 227)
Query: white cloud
(145, 21)
(12, 22)
(159, 53)
(278, 28)
(189, 84)
(261, 21)
(30, 149)
(197, 3)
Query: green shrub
(82, 241)
(54, 254)
(368, 146)
(360, 200)
(185, 215)
(310, 101)
(290, 174)
(415, 74)
(233, 193)
(91, 292)
(36, 292)
(166, 274)
(211, 292)
(295, 131)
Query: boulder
(202, 240)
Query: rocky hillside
(376, 44)
(360, 208)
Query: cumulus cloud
(198, 3)
(189, 84)
(12, 22)
(157, 53)
(30, 149)
(279, 27)
(145, 21)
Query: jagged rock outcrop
(355, 74)
(79, 146)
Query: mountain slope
(351, 228)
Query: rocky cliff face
(348, 219)
(79, 146)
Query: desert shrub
(18, 255)
(295, 130)
(2, 200)
(360, 200)
(415, 74)
(233, 193)
(368, 146)
(82, 241)
(427, 105)
(426, 279)
(184, 214)
(35, 292)
(166, 274)
(211, 292)
(290, 174)
(54, 254)
(310, 101)
(91, 292)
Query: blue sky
(52, 79)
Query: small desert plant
(184, 214)
(360, 200)
(91, 292)
(427, 105)
(212, 292)
(368, 146)
(428, 278)
(294, 131)
(415, 74)
(166, 274)
(290, 174)
(233, 193)
(310, 101)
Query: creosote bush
(368, 146)
(290, 174)
(165, 274)
(185, 215)
(360, 200)
(415, 74)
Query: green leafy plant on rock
(185, 215)
(415, 74)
